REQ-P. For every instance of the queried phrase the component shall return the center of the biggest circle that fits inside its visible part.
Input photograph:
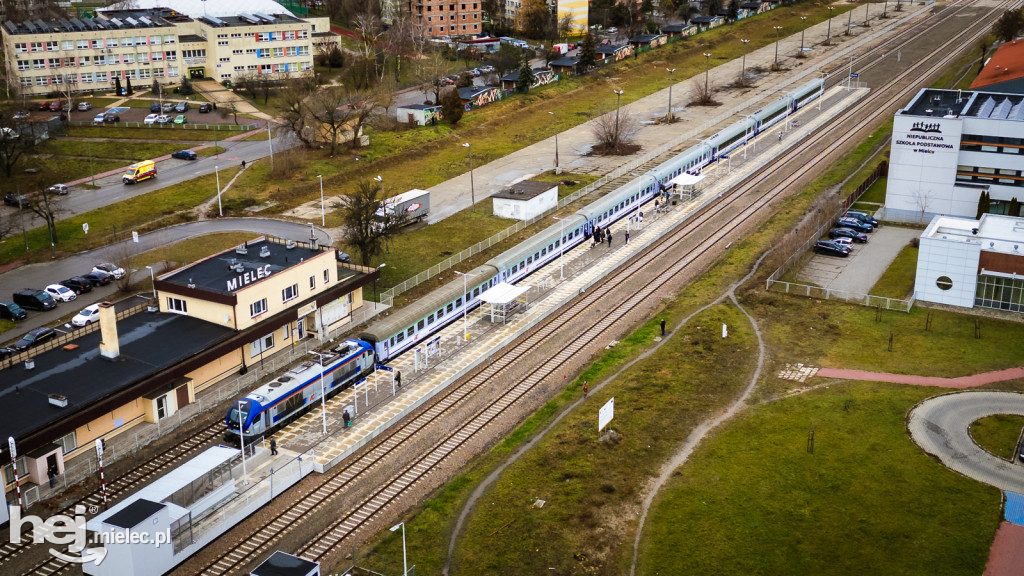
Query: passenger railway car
(273, 405)
(415, 323)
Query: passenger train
(285, 398)
(413, 324)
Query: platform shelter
(282, 564)
(502, 301)
(686, 185)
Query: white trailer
(411, 206)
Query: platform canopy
(503, 293)
(685, 179)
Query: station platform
(377, 403)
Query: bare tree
(614, 132)
(17, 137)
(431, 71)
(921, 201)
(702, 92)
(370, 34)
(124, 255)
(329, 109)
(365, 229)
(295, 114)
(48, 206)
(400, 41)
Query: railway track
(339, 481)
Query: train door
(588, 228)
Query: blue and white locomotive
(273, 405)
(415, 323)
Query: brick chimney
(109, 347)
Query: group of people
(602, 235)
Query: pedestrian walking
(273, 447)
(780, 135)
(243, 164)
(347, 418)
(586, 388)
(52, 472)
(398, 378)
(662, 326)
(627, 236)
(609, 238)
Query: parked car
(31, 299)
(87, 316)
(84, 106)
(7, 352)
(150, 119)
(18, 200)
(163, 119)
(21, 114)
(855, 224)
(56, 105)
(111, 118)
(34, 338)
(79, 284)
(184, 155)
(848, 233)
(108, 268)
(97, 278)
(60, 293)
(167, 107)
(205, 107)
(44, 105)
(180, 119)
(12, 311)
(154, 107)
(98, 119)
(59, 189)
(181, 107)
(863, 217)
(830, 248)
(844, 242)
(612, 30)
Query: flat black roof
(135, 513)
(938, 103)
(281, 564)
(149, 342)
(215, 274)
(525, 190)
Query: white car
(60, 189)
(112, 269)
(87, 316)
(99, 117)
(843, 241)
(162, 119)
(61, 293)
(151, 119)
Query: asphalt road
(39, 275)
(940, 426)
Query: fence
(830, 293)
(215, 127)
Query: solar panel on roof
(262, 16)
(986, 107)
(65, 25)
(249, 18)
(213, 20)
(30, 27)
(42, 26)
(11, 27)
(134, 23)
(145, 21)
(77, 24)
(1002, 109)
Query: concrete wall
(271, 288)
(120, 419)
(956, 260)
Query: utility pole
(775, 65)
(670, 117)
(743, 69)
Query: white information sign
(605, 415)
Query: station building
(949, 146)
(83, 54)
(967, 262)
(213, 319)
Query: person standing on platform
(627, 236)
(52, 474)
(273, 447)
(347, 418)
(609, 238)
(398, 378)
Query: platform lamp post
(376, 296)
(618, 98)
(821, 95)
(561, 252)
(220, 207)
(241, 439)
(405, 560)
(803, 28)
(707, 72)
(465, 303)
(866, 8)
(152, 278)
(472, 190)
(323, 390)
(670, 117)
(554, 119)
(828, 31)
(849, 22)
(775, 65)
(323, 215)
(743, 67)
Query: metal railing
(861, 298)
(216, 127)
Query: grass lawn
(211, 151)
(150, 132)
(876, 193)
(116, 150)
(998, 434)
(898, 279)
(752, 500)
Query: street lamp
(618, 98)
(803, 24)
(405, 561)
(323, 216)
(220, 207)
(152, 278)
(554, 118)
(323, 389)
(561, 252)
(670, 117)
(376, 296)
(465, 303)
(866, 8)
(885, 6)
(472, 190)
(775, 65)
(828, 32)
(849, 22)
(241, 439)
(707, 70)
(743, 68)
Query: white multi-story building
(141, 45)
(949, 146)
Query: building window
(68, 442)
(944, 282)
(290, 293)
(258, 307)
(312, 282)
(177, 305)
(22, 470)
(327, 276)
(262, 345)
(286, 332)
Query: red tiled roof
(1006, 64)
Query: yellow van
(139, 172)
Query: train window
(544, 251)
(400, 337)
(430, 319)
(409, 331)
(476, 292)
(419, 325)
(450, 306)
(458, 302)
(529, 260)
(440, 313)
(558, 243)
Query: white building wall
(955, 259)
(922, 167)
(525, 209)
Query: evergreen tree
(335, 58)
(128, 89)
(733, 9)
(526, 77)
(186, 87)
(117, 85)
(1014, 208)
(588, 53)
(451, 107)
(984, 204)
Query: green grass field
(998, 434)
(752, 500)
(898, 279)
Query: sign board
(854, 75)
(99, 448)
(135, 237)
(383, 367)
(85, 227)
(605, 415)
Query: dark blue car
(184, 155)
(848, 233)
(855, 224)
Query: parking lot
(859, 271)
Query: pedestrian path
(971, 381)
